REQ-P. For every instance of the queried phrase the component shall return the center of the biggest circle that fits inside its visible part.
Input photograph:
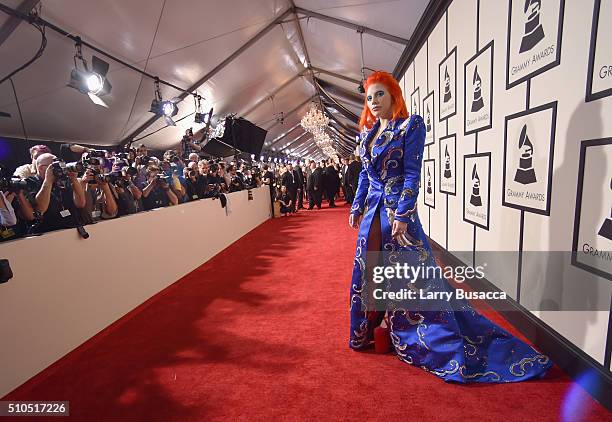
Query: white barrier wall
(511, 79)
(66, 289)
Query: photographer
(175, 179)
(157, 192)
(189, 145)
(99, 198)
(216, 183)
(196, 185)
(29, 170)
(56, 195)
(128, 194)
(235, 181)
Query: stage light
(91, 82)
(168, 108)
(164, 108)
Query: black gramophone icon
(475, 198)
(477, 102)
(447, 169)
(428, 120)
(414, 109)
(534, 33)
(525, 173)
(428, 181)
(606, 228)
(447, 92)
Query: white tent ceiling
(181, 41)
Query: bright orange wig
(367, 119)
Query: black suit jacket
(315, 179)
(352, 175)
(290, 182)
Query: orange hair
(367, 119)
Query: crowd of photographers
(81, 185)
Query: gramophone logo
(475, 197)
(428, 119)
(415, 111)
(447, 92)
(606, 228)
(525, 173)
(447, 170)
(534, 33)
(428, 181)
(477, 102)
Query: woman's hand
(398, 229)
(355, 220)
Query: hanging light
(91, 82)
(164, 108)
(314, 121)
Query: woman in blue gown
(449, 339)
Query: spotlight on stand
(91, 82)
(164, 108)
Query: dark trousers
(292, 195)
(348, 194)
(314, 198)
(300, 198)
(331, 196)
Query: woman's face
(379, 101)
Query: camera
(97, 153)
(123, 156)
(162, 179)
(61, 170)
(15, 184)
(91, 161)
(130, 171)
(117, 179)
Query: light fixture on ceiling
(200, 116)
(91, 82)
(164, 108)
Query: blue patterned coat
(452, 340)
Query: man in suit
(300, 187)
(314, 186)
(332, 183)
(343, 179)
(290, 181)
(352, 176)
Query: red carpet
(260, 333)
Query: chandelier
(314, 121)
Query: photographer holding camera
(196, 184)
(128, 195)
(29, 170)
(235, 181)
(99, 198)
(55, 194)
(189, 145)
(157, 192)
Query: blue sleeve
(361, 193)
(414, 144)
